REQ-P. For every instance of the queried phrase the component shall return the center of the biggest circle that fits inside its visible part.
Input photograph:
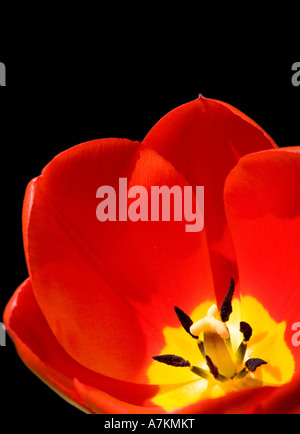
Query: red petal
(100, 402)
(263, 210)
(41, 352)
(204, 139)
(37, 346)
(248, 401)
(108, 289)
(285, 400)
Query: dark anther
(212, 368)
(252, 364)
(171, 360)
(246, 329)
(185, 321)
(226, 307)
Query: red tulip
(99, 301)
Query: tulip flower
(124, 316)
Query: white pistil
(214, 333)
(210, 324)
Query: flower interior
(229, 353)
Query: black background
(62, 94)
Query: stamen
(185, 321)
(200, 372)
(170, 359)
(242, 374)
(252, 364)
(224, 363)
(201, 347)
(246, 329)
(240, 353)
(212, 368)
(226, 308)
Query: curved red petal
(37, 346)
(41, 352)
(108, 289)
(27, 205)
(263, 210)
(100, 402)
(285, 400)
(248, 401)
(92, 392)
(204, 139)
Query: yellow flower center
(223, 356)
